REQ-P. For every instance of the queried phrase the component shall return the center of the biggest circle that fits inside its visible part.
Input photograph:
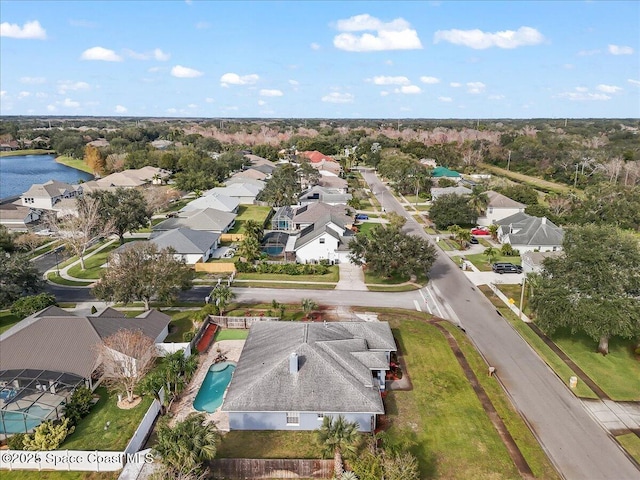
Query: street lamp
(55, 252)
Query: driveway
(351, 277)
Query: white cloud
(455, 84)
(172, 110)
(388, 62)
(270, 93)
(430, 80)
(70, 103)
(30, 30)
(620, 50)
(192, 105)
(185, 72)
(582, 89)
(3, 93)
(315, 46)
(235, 79)
(337, 97)
(66, 86)
(408, 89)
(480, 40)
(583, 96)
(608, 88)
(261, 102)
(99, 53)
(384, 93)
(33, 80)
(475, 87)
(160, 55)
(41, 95)
(382, 80)
(568, 66)
(445, 99)
(588, 53)
(24, 94)
(394, 35)
(634, 82)
(295, 83)
(496, 97)
(121, 109)
(51, 108)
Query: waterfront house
(46, 195)
(16, 217)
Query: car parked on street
(505, 267)
(474, 240)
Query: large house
(16, 217)
(331, 196)
(437, 192)
(532, 262)
(194, 246)
(498, 208)
(327, 239)
(527, 233)
(141, 177)
(45, 196)
(47, 355)
(208, 219)
(296, 218)
(245, 192)
(291, 375)
(216, 201)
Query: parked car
(505, 267)
(480, 231)
(474, 240)
(362, 216)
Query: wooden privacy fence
(232, 237)
(226, 267)
(249, 468)
(239, 322)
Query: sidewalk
(64, 272)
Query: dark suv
(503, 267)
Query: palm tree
(493, 230)
(308, 306)
(252, 228)
(491, 254)
(188, 444)
(478, 201)
(338, 435)
(249, 248)
(454, 230)
(222, 295)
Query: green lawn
(631, 444)
(481, 262)
(250, 212)
(54, 278)
(528, 180)
(560, 368)
(269, 444)
(231, 334)
(452, 435)
(93, 264)
(392, 288)
(76, 163)
(297, 286)
(366, 227)
(618, 373)
(30, 475)
(181, 322)
(333, 275)
(7, 320)
(17, 153)
(90, 433)
(371, 278)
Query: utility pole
(524, 280)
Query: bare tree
(78, 229)
(126, 357)
(159, 198)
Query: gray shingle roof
(327, 195)
(315, 230)
(108, 322)
(524, 229)
(185, 240)
(202, 219)
(313, 212)
(217, 201)
(334, 368)
(497, 200)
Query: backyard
(257, 213)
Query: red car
(480, 231)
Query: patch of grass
(7, 320)
(76, 163)
(250, 212)
(297, 286)
(54, 278)
(18, 153)
(366, 227)
(481, 262)
(393, 288)
(93, 264)
(452, 435)
(631, 443)
(333, 275)
(618, 373)
(181, 322)
(90, 433)
(560, 368)
(534, 182)
(269, 444)
(50, 475)
(528, 445)
(231, 334)
(375, 279)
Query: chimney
(293, 363)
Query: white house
(16, 217)
(526, 233)
(193, 246)
(44, 196)
(332, 196)
(245, 192)
(499, 207)
(532, 261)
(323, 240)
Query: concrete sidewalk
(351, 277)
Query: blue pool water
(22, 421)
(212, 390)
(273, 251)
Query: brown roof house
(47, 355)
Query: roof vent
(293, 363)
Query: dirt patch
(124, 404)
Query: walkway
(351, 277)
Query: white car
(44, 233)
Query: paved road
(576, 443)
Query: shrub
(78, 405)
(508, 250)
(208, 309)
(16, 441)
(188, 336)
(25, 306)
(48, 436)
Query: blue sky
(335, 59)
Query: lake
(19, 172)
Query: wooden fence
(239, 322)
(226, 267)
(232, 237)
(248, 468)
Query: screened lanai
(29, 397)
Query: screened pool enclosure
(29, 397)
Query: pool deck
(181, 409)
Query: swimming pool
(212, 390)
(273, 250)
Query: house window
(293, 418)
(320, 417)
(322, 240)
